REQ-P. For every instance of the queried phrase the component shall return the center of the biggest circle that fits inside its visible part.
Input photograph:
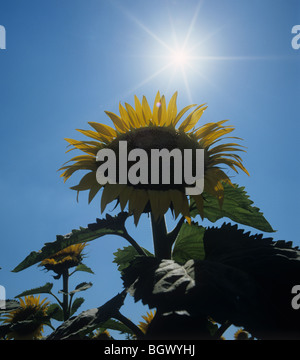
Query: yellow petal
(163, 201)
(75, 167)
(146, 111)
(213, 185)
(162, 112)
(119, 124)
(229, 162)
(188, 219)
(94, 190)
(139, 111)
(81, 157)
(124, 116)
(106, 132)
(226, 137)
(177, 200)
(154, 202)
(156, 107)
(208, 139)
(185, 208)
(87, 147)
(219, 175)
(125, 196)
(90, 133)
(192, 119)
(86, 182)
(137, 202)
(225, 147)
(181, 113)
(110, 193)
(199, 203)
(132, 116)
(208, 128)
(172, 110)
(142, 200)
(84, 162)
(132, 201)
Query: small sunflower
(241, 335)
(155, 128)
(31, 310)
(148, 318)
(64, 259)
(101, 335)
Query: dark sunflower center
(25, 313)
(162, 158)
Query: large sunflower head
(64, 259)
(147, 128)
(31, 318)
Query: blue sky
(69, 60)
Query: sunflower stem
(162, 245)
(70, 305)
(221, 330)
(172, 235)
(138, 332)
(65, 277)
(56, 298)
(132, 242)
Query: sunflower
(148, 318)
(241, 334)
(32, 313)
(155, 128)
(101, 335)
(64, 259)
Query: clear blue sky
(69, 60)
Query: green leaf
(124, 256)
(116, 325)
(212, 327)
(189, 243)
(76, 305)
(55, 312)
(88, 320)
(199, 287)
(109, 226)
(237, 206)
(81, 287)
(83, 267)
(244, 279)
(8, 305)
(45, 289)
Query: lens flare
(180, 57)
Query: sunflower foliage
(198, 280)
(25, 319)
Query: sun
(175, 53)
(180, 57)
